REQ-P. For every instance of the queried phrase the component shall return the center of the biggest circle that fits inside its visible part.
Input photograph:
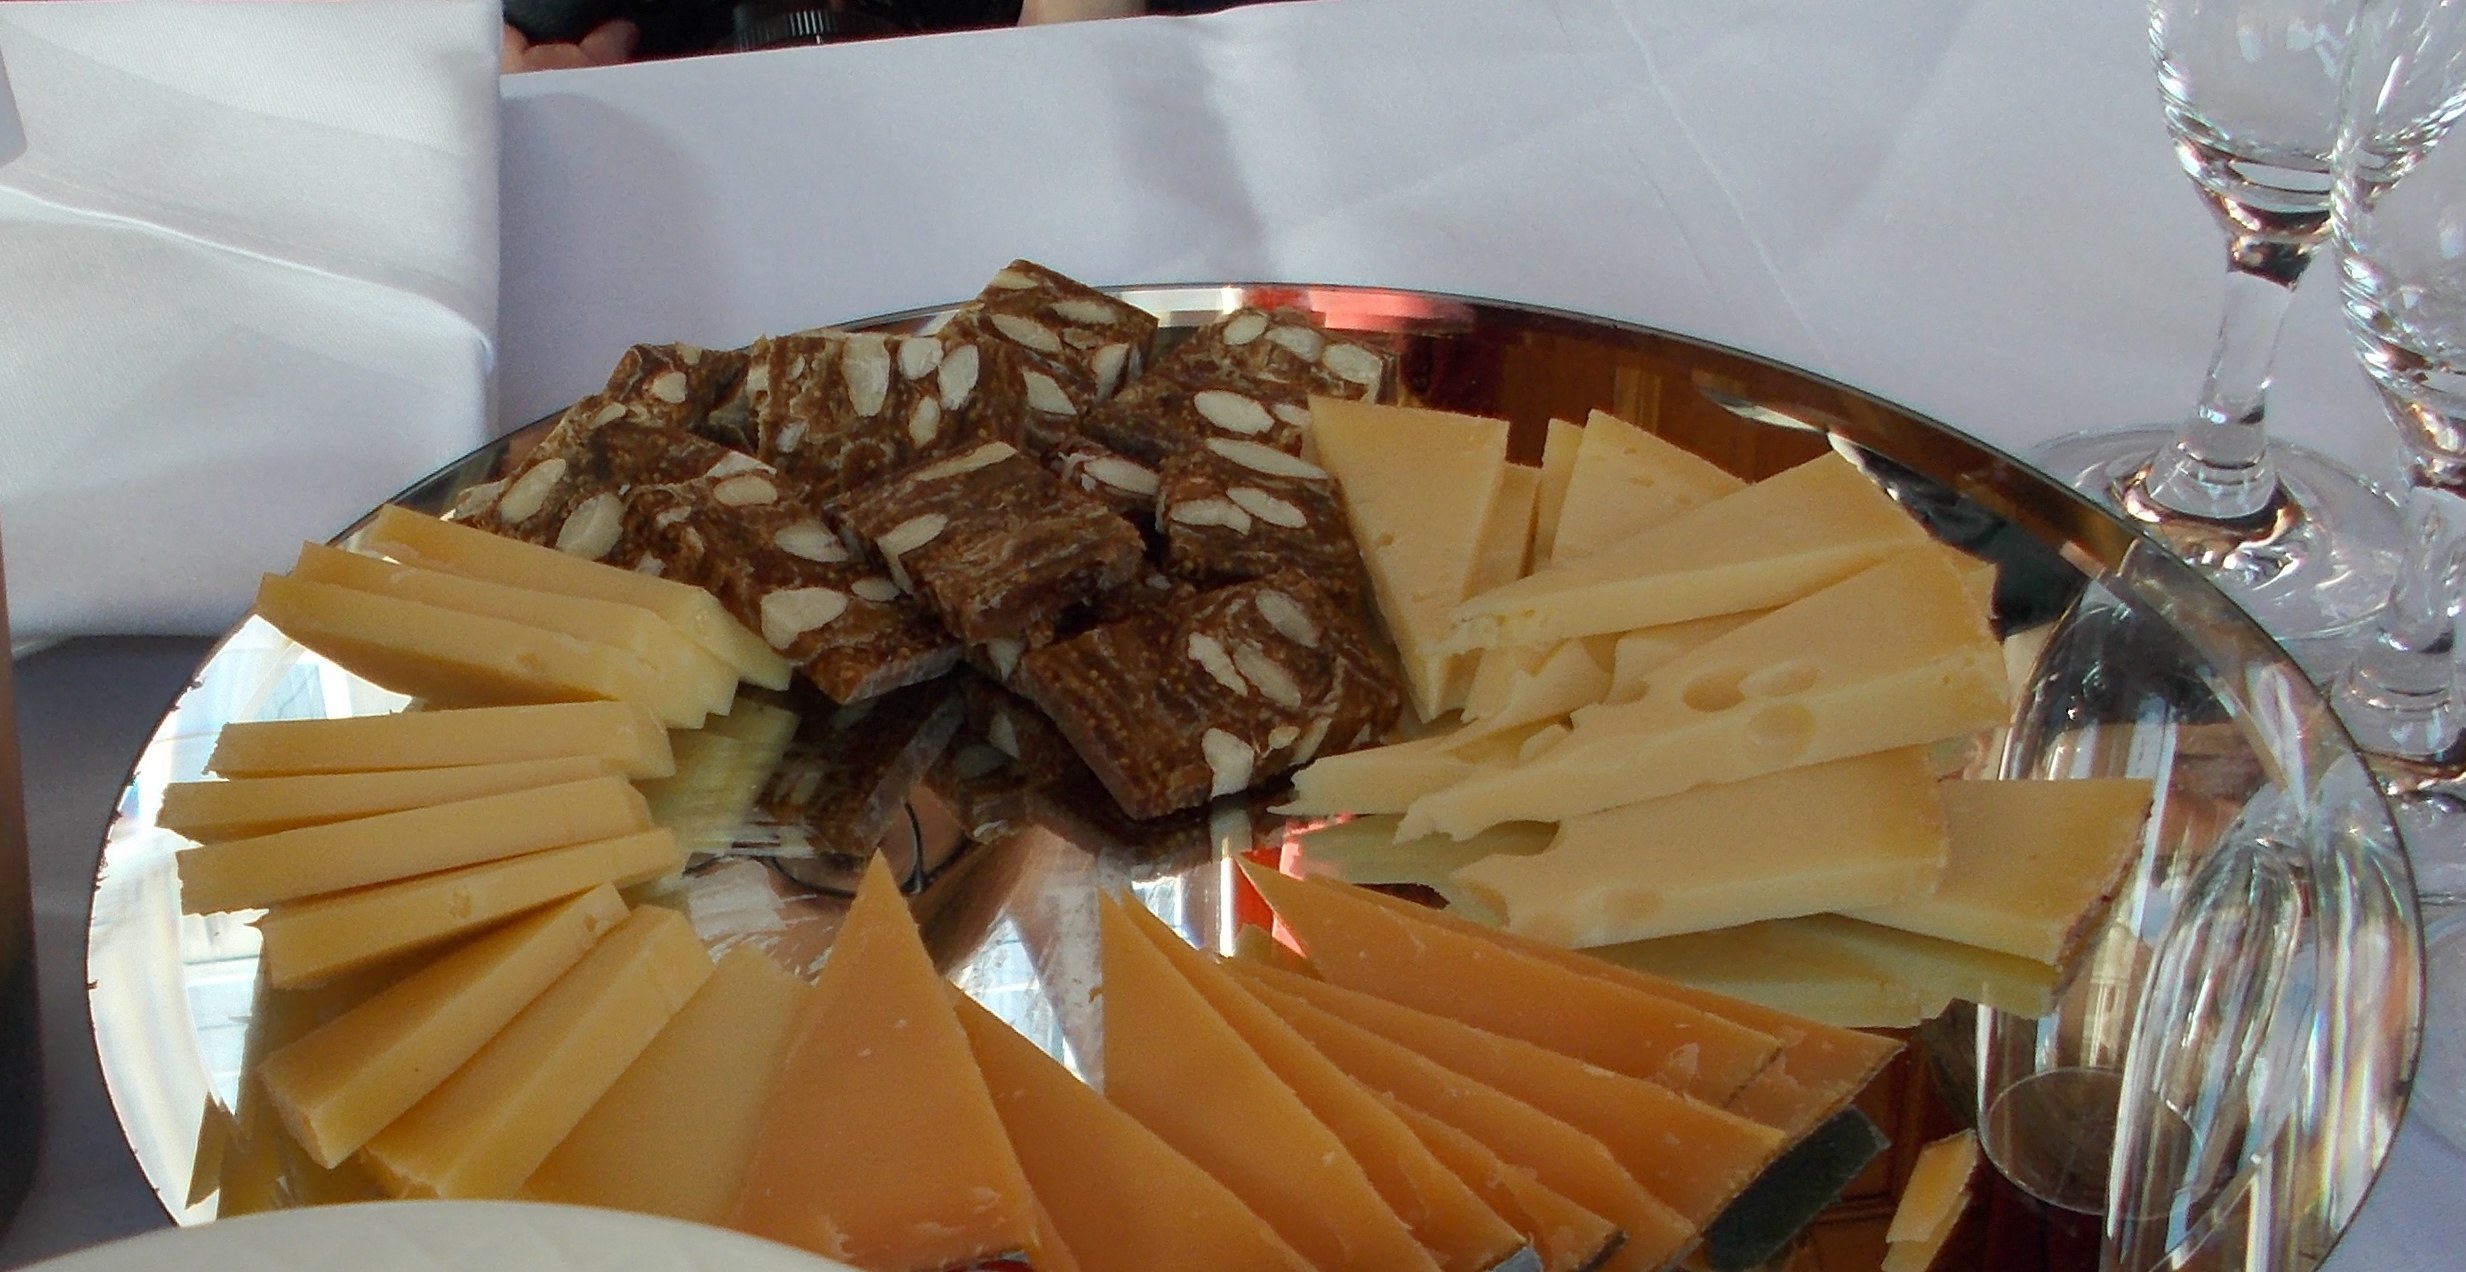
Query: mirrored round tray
(2239, 1038)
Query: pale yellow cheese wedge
(342, 1083)
(672, 1135)
(261, 1165)
(1625, 480)
(308, 941)
(1893, 656)
(451, 657)
(241, 874)
(695, 672)
(627, 737)
(721, 770)
(1843, 972)
(1558, 455)
(1687, 1153)
(1507, 539)
(244, 807)
(1560, 1157)
(1364, 850)
(1567, 676)
(1388, 779)
(1174, 1064)
(1480, 982)
(1931, 1203)
(880, 1145)
(1418, 487)
(492, 1123)
(1566, 1236)
(1771, 543)
(421, 539)
(1636, 655)
(1122, 1198)
(1458, 1229)
(1800, 841)
(2032, 864)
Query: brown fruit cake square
(1073, 345)
(1245, 376)
(1232, 510)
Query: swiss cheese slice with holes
(1690, 1154)
(350, 1078)
(1122, 1198)
(1624, 480)
(1419, 488)
(420, 539)
(1480, 982)
(1800, 841)
(1638, 654)
(1364, 850)
(1566, 1236)
(695, 672)
(1388, 779)
(1560, 1157)
(1173, 1063)
(627, 737)
(1771, 543)
(245, 807)
(1453, 1224)
(673, 1134)
(1896, 655)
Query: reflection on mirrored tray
(2240, 1029)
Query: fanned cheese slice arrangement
(1445, 1216)
(1770, 543)
(880, 1144)
(673, 1134)
(625, 736)
(1623, 481)
(348, 1079)
(1896, 655)
(492, 1123)
(1362, 946)
(419, 539)
(1122, 1198)
(1419, 487)
(243, 874)
(1174, 1064)
(1566, 1236)
(2031, 864)
(245, 807)
(1800, 841)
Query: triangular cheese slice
(1624, 481)
(1844, 972)
(1767, 545)
(1559, 447)
(1174, 1064)
(1893, 656)
(1561, 1157)
(1692, 1155)
(1361, 946)
(880, 1145)
(1121, 1197)
(1566, 1236)
(1456, 1226)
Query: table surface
(1965, 206)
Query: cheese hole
(1780, 680)
(1714, 690)
(1777, 734)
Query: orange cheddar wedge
(1174, 1064)
(1821, 1069)
(880, 1145)
(1121, 1198)
(1689, 1154)
(1564, 1159)
(1360, 945)
(1566, 1236)
(1453, 1223)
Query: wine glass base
(2316, 564)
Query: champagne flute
(2251, 90)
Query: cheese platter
(1724, 533)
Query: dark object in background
(672, 28)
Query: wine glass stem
(2217, 467)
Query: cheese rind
(307, 941)
(1770, 543)
(487, 1127)
(1623, 481)
(347, 1080)
(1800, 841)
(1174, 1064)
(415, 537)
(672, 1135)
(239, 874)
(625, 735)
(240, 808)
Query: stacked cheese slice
(1713, 711)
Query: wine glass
(2251, 90)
